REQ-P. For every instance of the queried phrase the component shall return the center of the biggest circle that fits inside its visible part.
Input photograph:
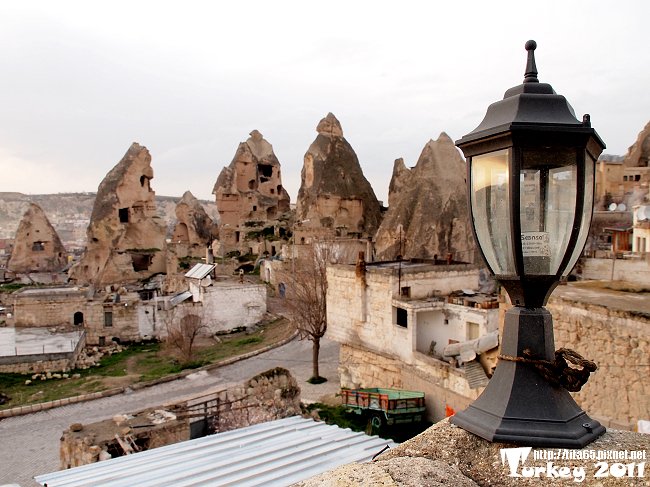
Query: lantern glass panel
(587, 210)
(491, 211)
(547, 199)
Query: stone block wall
(124, 321)
(271, 395)
(618, 393)
(96, 442)
(631, 270)
(443, 384)
(227, 306)
(34, 309)
(30, 364)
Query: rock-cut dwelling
(251, 200)
(126, 240)
(37, 246)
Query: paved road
(29, 445)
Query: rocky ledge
(445, 455)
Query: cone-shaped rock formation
(429, 204)
(194, 228)
(126, 242)
(249, 192)
(335, 199)
(37, 246)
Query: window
(401, 317)
(108, 319)
(38, 246)
(472, 330)
(406, 292)
(637, 177)
(124, 215)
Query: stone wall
(632, 270)
(271, 395)
(230, 305)
(43, 362)
(123, 324)
(443, 384)
(47, 307)
(36, 364)
(130, 319)
(83, 444)
(618, 393)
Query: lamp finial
(530, 76)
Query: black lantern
(531, 169)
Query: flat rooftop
(587, 292)
(49, 291)
(33, 341)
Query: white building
(641, 229)
(394, 319)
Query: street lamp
(530, 176)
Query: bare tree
(306, 299)
(182, 332)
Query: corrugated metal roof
(277, 453)
(179, 298)
(199, 271)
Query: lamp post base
(519, 405)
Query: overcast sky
(80, 81)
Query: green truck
(385, 406)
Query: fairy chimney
(428, 212)
(37, 246)
(335, 199)
(194, 229)
(126, 242)
(249, 192)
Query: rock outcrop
(249, 192)
(37, 246)
(335, 199)
(428, 209)
(445, 455)
(194, 229)
(638, 155)
(126, 241)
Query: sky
(80, 81)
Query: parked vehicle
(385, 406)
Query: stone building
(609, 181)
(385, 336)
(335, 199)
(428, 213)
(126, 240)
(119, 316)
(625, 179)
(394, 319)
(194, 230)
(641, 229)
(37, 247)
(251, 200)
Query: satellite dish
(642, 213)
(621, 207)
(612, 207)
